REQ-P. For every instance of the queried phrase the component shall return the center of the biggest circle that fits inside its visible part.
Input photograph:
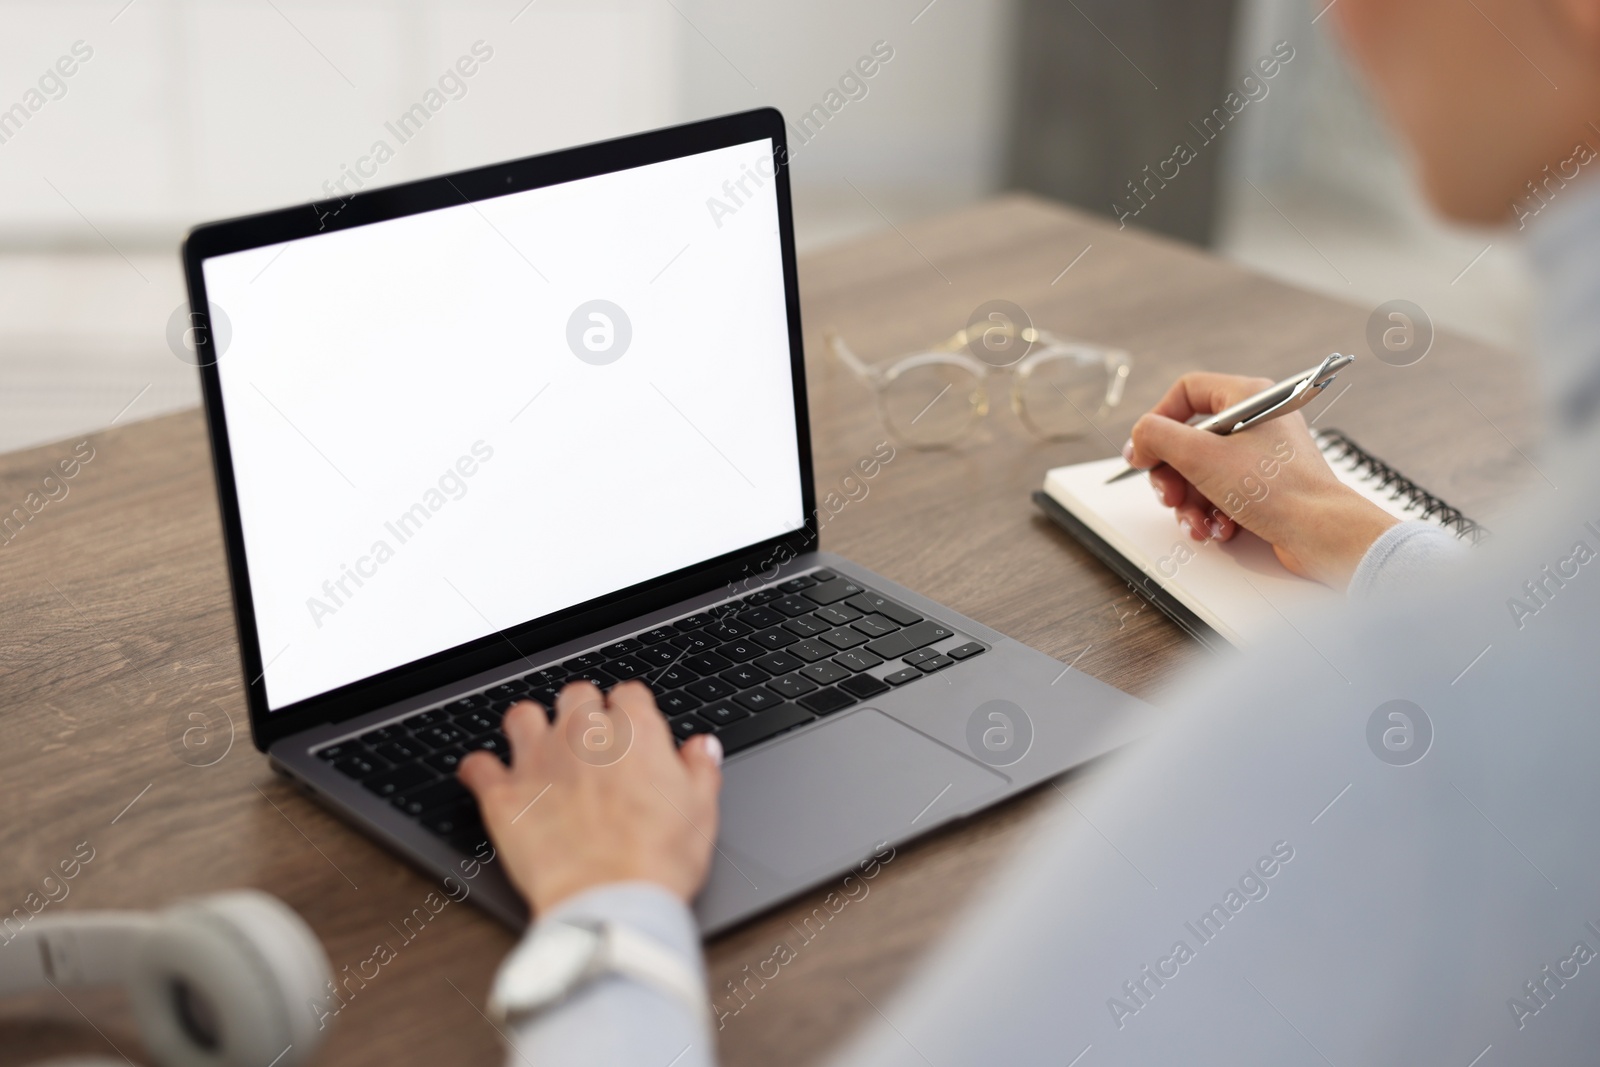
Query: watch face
(555, 961)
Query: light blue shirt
(1431, 911)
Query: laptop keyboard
(746, 670)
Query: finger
(526, 727)
(575, 695)
(1171, 487)
(1158, 439)
(483, 775)
(1206, 393)
(1203, 520)
(702, 758)
(635, 700)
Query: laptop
(480, 435)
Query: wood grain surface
(116, 630)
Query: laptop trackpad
(825, 798)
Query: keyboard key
(844, 638)
(625, 667)
(919, 656)
(399, 780)
(792, 606)
(722, 713)
(425, 718)
(857, 660)
(863, 686)
(726, 630)
(686, 726)
(338, 752)
(777, 662)
(761, 618)
(744, 676)
(676, 703)
(400, 751)
(910, 639)
(746, 732)
(495, 742)
(794, 585)
(692, 643)
(937, 663)
(658, 655)
(793, 685)
(694, 622)
(966, 651)
(827, 701)
(825, 673)
(758, 699)
(659, 634)
(871, 603)
(740, 650)
(546, 697)
(622, 648)
(445, 793)
(446, 760)
(774, 639)
(707, 663)
(447, 822)
(674, 677)
(833, 591)
(762, 596)
(807, 626)
(875, 626)
(823, 574)
(903, 675)
(392, 732)
(441, 736)
(810, 651)
(838, 615)
(597, 676)
(587, 661)
(549, 678)
(710, 689)
(507, 691)
(479, 722)
(361, 764)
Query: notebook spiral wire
(1338, 447)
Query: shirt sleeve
(614, 1020)
(1404, 554)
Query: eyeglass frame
(1117, 362)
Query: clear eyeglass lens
(933, 404)
(1059, 396)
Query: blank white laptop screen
(451, 423)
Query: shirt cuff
(1404, 554)
(643, 906)
(617, 1021)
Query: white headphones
(217, 981)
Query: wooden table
(117, 627)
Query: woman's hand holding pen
(1271, 480)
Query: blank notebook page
(1237, 587)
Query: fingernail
(714, 749)
(1187, 527)
(1127, 451)
(1156, 489)
(1215, 527)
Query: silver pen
(1291, 394)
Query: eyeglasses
(933, 399)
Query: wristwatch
(563, 956)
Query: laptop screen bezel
(367, 207)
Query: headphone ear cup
(229, 980)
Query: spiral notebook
(1229, 593)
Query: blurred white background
(191, 110)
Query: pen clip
(1304, 393)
